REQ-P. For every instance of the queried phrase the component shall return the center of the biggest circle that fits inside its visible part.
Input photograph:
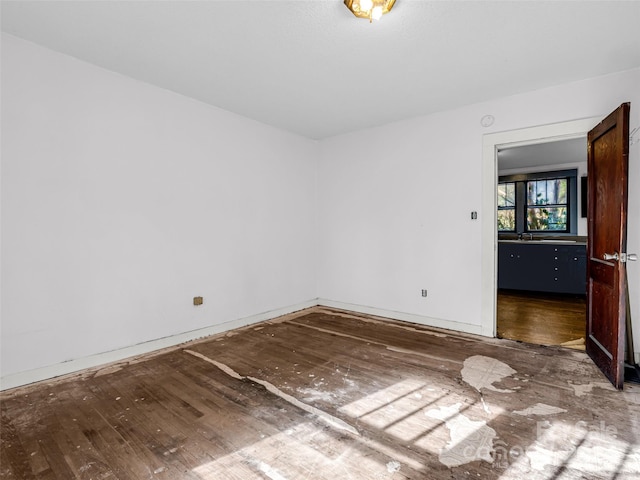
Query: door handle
(623, 257)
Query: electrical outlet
(198, 300)
(424, 292)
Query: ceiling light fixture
(371, 9)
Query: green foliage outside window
(507, 206)
(547, 204)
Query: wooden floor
(542, 318)
(326, 394)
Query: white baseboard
(46, 373)
(407, 317)
(49, 372)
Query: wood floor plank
(150, 443)
(541, 318)
(14, 460)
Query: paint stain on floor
(470, 440)
(482, 372)
(540, 409)
(581, 390)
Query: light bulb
(365, 5)
(376, 14)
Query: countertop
(545, 242)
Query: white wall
(122, 201)
(395, 203)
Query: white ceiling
(543, 154)
(313, 68)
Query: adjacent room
(284, 239)
(542, 236)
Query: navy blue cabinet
(542, 267)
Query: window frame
(521, 206)
(514, 207)
(529, 206)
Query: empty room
(361, 239)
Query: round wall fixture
(487, 120)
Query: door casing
(489, 235)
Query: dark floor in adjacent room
(542, 318)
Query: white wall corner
(101, 359)
(406, 317)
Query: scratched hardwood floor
(542, 318)
(326, 394)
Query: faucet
(521, 236)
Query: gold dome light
(371, 9)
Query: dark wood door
(607, 152)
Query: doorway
(491, 144)
(541, 229)
(608, 142)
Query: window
(538, 202)
(547, 205)
(507, 206)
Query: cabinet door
(560, 278)
(568, 269)
(525, 266)
(532, 271)
(578, 270)
(508, 262)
